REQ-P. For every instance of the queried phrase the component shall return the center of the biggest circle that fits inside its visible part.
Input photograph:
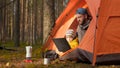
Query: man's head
(81, 15)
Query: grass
(15, 57)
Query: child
(70, 38)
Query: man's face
(80, 18)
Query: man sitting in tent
(73, 42)
(82, 18)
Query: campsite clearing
(15, 58)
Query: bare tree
(17, 24)
(49, 17)
(41, 20)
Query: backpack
(51, 54)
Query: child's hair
(70, 32)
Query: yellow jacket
(74, 43)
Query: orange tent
(101, 41)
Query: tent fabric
(108, 30)
(101, 40)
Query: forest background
(28, 21)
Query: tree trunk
(1, 19)
(4, 22)
(22, 24)
(26, 22)
(58, 8)
(49, 18)
(17, 25)
(41, 20)
(35, 17)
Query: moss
(30, 66)
(8, 44)
(16, 59)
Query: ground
(13, 57)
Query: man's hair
(81, 11)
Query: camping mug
(46, 61)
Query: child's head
(69, 35)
